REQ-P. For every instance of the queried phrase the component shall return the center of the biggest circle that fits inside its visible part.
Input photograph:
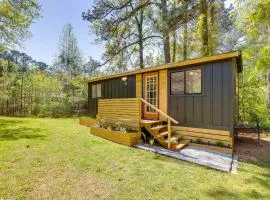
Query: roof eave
(218, 57)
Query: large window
(96, 91)
(186, 82)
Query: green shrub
(199, 141)
(220, 144)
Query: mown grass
(59, 159)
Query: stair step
(149, 121)
(163, 134)
(182, 144)
(173, 138)
(159, 127)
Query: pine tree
(69, 58)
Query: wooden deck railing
(169, 119)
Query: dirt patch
(248, 148)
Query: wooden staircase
(160, 131)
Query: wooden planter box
(85, 121)
(128, 139)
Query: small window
(186, 82)
(96, 91)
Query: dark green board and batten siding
(213, 108)
(110, 89)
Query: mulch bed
(248, 148)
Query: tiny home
(194, 101)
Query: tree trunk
(21, 111)
(212, 30)
(166, 47)
(174, 46)
(204, 27)
(268, 90)
(166, 37)
(185, 34)
(185, 39)
(185, 42)
(174, 40)
(140, 34)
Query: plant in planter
(173, 144)
(109, 128)
(102, 123)
(123, 129)
(119, 125)
(199, 141)
(152, 141)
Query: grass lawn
(59, 159)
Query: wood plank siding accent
(138, 85)
(185, 63)
(112, 89)
(163, 91)
(215, 148)
(127, 110)
(205, 135)
(213, 108)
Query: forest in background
(135, 34)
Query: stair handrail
(169, 120)
(159, 111)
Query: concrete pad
(209, 158)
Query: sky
(46, 31)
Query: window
(186, 82)
(96, 91)
(193, 82)
(177, 83)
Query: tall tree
(165, 31)
(254, 19)
(203, 27)
(213, 22)
(69, 58)
(122, 26)
(16, 16)
(127, 27)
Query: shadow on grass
(13, 129)
(259, 178)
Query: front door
(151, 94)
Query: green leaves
(254, 20)
(16, 16)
